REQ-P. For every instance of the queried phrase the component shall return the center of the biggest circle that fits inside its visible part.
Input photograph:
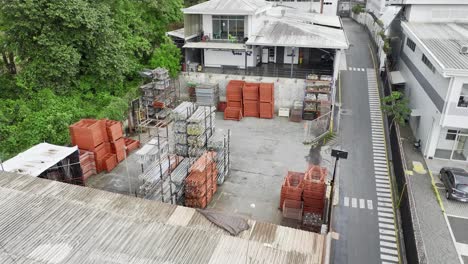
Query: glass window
(428, 63)
(463, 100)
(451, 134)
(410, 44)
(228, 27)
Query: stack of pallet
(292, 187)
(234, 109)
(207, 94)
(87, 163)
(314, 189)
(200, 127)
(104, 138)
(267, 100)
(200, 184)
(250, 99)
(159, 93)
(180, 114)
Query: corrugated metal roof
(443, 40)
(292, 33)
(46, 221)
(215, 45)
(303, 16)
(226, 7)
(38, 159)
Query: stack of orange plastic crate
(267, 100)
(250, 100)
(87, 163)
(104, 138)
(200, 184)
(234, 106)
(314, 189)
(292, 187)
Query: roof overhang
(396, 78)
(214, 45)
(180, 33)
(38, 159)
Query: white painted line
(385, 204)
(381, 174)
(384, 209)
(388, 244)
(388, 238)
(346, 201)
(384, 195)
(385, 190)
(381, 177)
(389, 251)
(381, 181)
(387, 232)
(386, 220)
(362, 203)
(354, 202)
(382, 199)
(369, 205)
(385, 262)
(387, 257)
(383, 185)
(387, 226)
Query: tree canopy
(65, 60)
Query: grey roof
(226, 7)
(215, 45)
(294, 33)
(443, 41)
(43, 221)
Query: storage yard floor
(262, 151)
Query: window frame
(451, 134)
(428, 63)
(239, 22)
(463, 97)
(411, 44)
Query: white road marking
(384, 194)
(381, 181)
(386, 220)
(388, 244)
(386, 232)
(387, 257)
(387, 226)
(383, 190)
(354, 202)
(346, 201)
(362, 203)
(388, 238)
(369, 205)
(389, 251)
(382, 199)
(385, 209)
(384, 204)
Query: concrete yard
(262, 151)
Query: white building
(433, 65)
(326, 7)
(258, 34)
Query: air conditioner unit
(464, 49)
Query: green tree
(357, 9)
(167, 56)
(396, 106)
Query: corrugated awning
(416, 112)
(214, 45)
(396, 78)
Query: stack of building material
(156, 180)
(296, 112)
(180, 114)
(234, 109)
(314, 189)
(292, 187)
(250, 99)
(87, 163)
(200, 184)
(178, 179)
(220, 143)
(267, 100)
(200, 127)
(104, 138)
(159, 93)
(157, 148)
(207, 94)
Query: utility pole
(338, 154)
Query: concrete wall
(456, 116)
(438, 13)
(208, 25)
(288, 51)
(330, 7)
(216, 58)
(286, 90)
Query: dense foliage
(65, 60)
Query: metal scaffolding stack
(207, 94)
(220, 143)
(200, 127)
(158, 94)
(181, 114)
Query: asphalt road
(356, 225)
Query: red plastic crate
(88, 133)
(251, 108)
(233, 113)
(250, 91)
(118, 148)
(267, 110)
(267, 92)
(114, 130)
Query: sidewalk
(435, 234)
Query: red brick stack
(267, 100)
(200, 184)
(104, 139)
(250, 100)
(292, 187)
(314, 189)
(233, 110)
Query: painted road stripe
(392, 227)
(388, 251)
(382, 185)
(386, 220)
(362, 203)
(388, 244)
(388, 238)
(346, 201)
(381, 181)
(383, 190)
(385, 204)
(354, 202)
(384, 209)
(384, 194)
(369, 205)
(387, 257)
(382, 199)
(386, 232)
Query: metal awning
(214, 45)
(180, 33)
(396, 78)
(416, 112)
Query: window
(463, 100)
(428, 63)
(410, 44)
(228, 27)
(451, 134)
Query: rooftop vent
(464, 49)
